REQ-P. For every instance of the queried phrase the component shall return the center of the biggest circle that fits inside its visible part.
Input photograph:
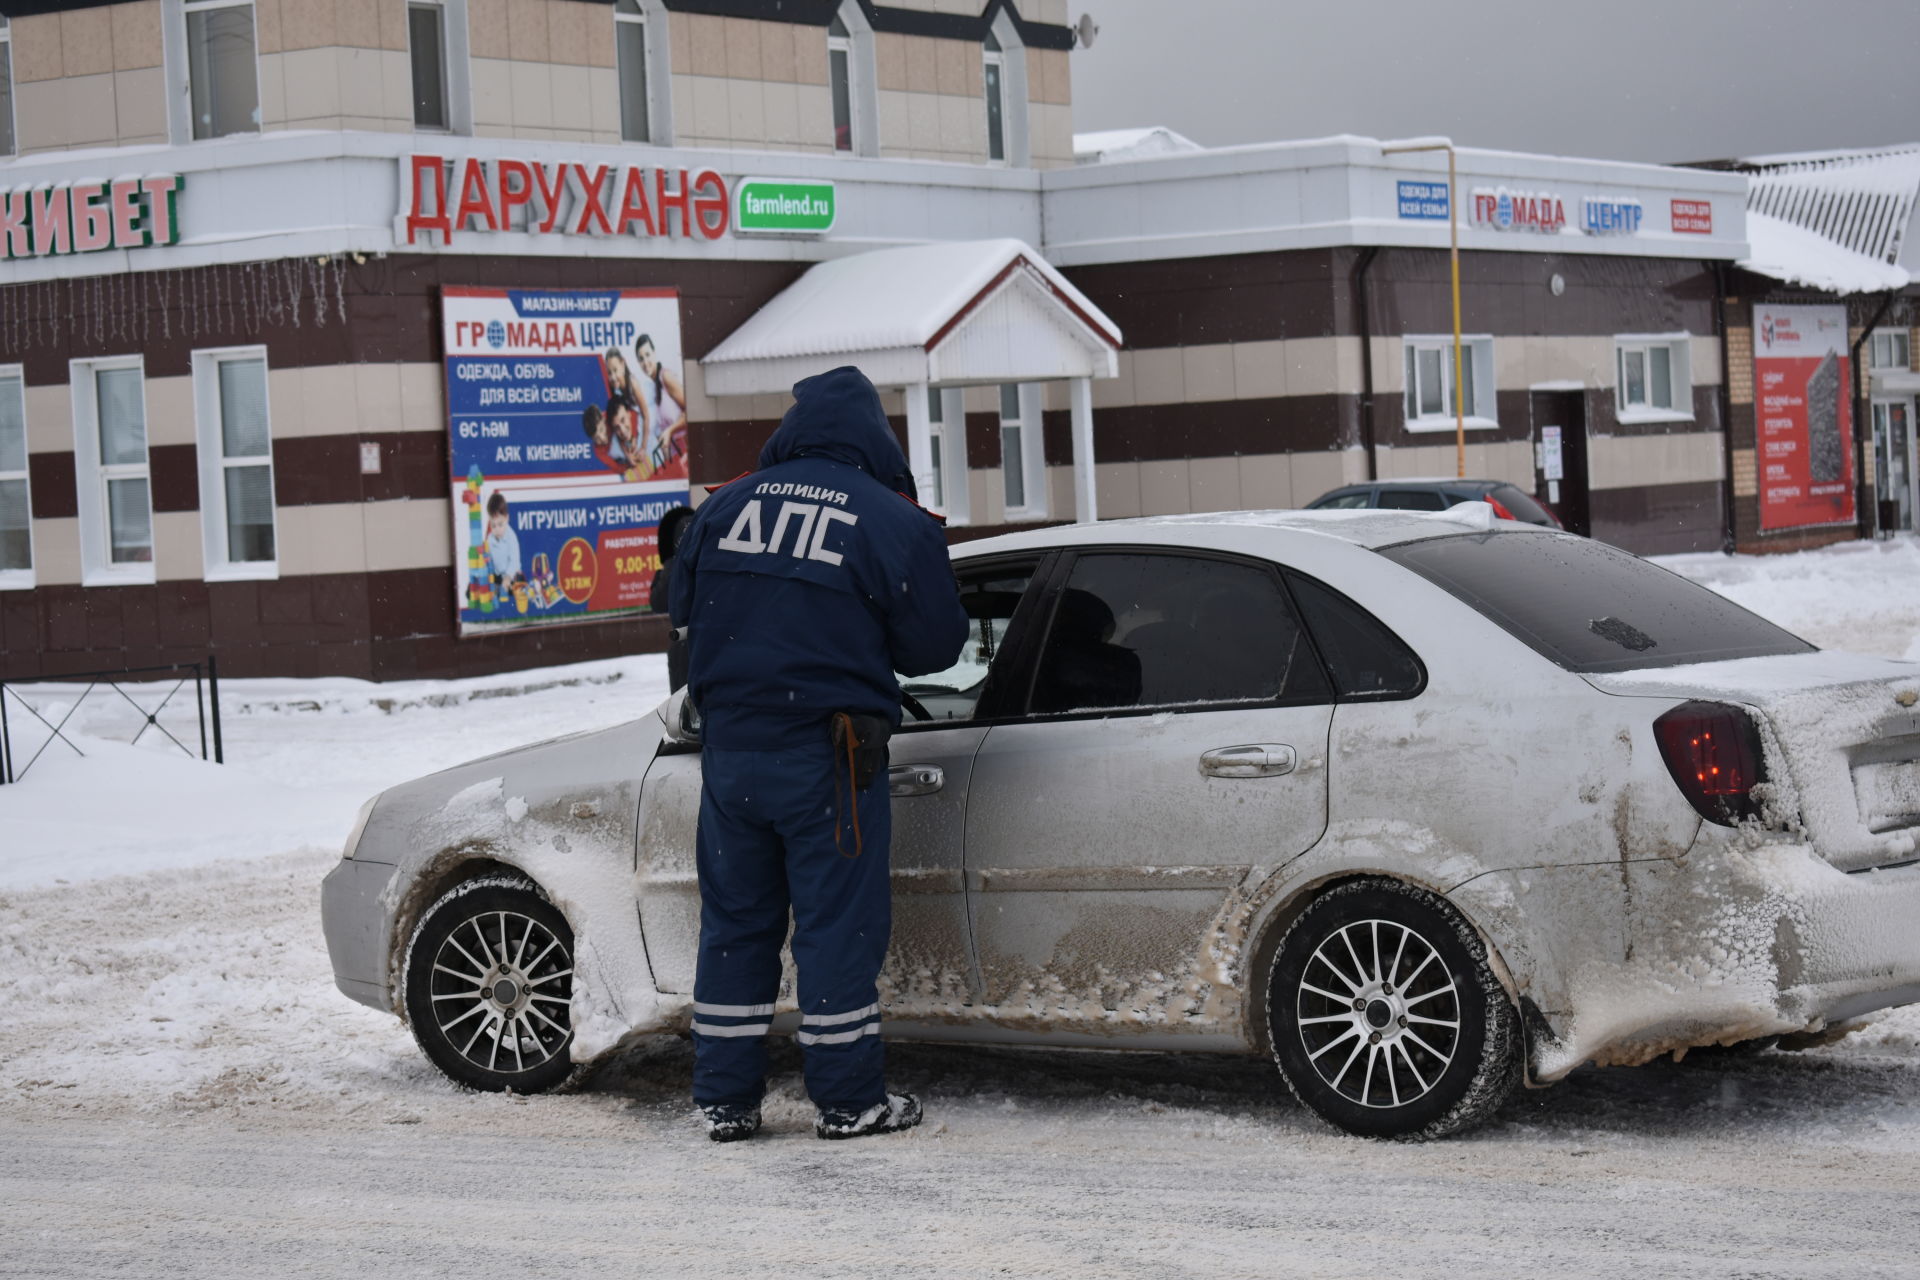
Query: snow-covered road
(182, 1092)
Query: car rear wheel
(1385, 1017)
(489, 986)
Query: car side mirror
(682, 719)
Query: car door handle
(915, 779)
(1263, 760)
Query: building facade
(230, 395)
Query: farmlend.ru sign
(442, 198)
(783, 206)
(90, 215)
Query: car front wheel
(1385, 1017)
(489, 986)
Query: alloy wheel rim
(501, 991)
(1378, 1013)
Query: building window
(1429, 388)
(236, 462)
(996, 101)
(427, 43)
(6, 87)
(16, 505)
(937, 435)
(1652, 378)
(1888, 350)
(222, 78)
(110, 460)
(840, 77)
(630, 57)
(1016, 453)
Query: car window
(1341, 502)
(1588, 606)
(1147, 630)
(989, 596)
(1521, 504)
(1365, 658)
(1411, 500)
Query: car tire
(489, 986)
(1386, 1019)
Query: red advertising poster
(1803, 416)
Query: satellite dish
(1084, 31)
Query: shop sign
(1427, 200)
(1499, 209)
(89, 215)
(1693, 217)
(783, 206)
(1611, 216)
(567, 424)
(1804, 416)
(441, 197)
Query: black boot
(731, 1124)
(899, 1111)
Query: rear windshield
(1589, 606)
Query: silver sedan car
(1423, 806)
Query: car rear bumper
(357, 923)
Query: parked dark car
(1507, 501)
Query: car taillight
(1499, 508)
(1713, 752)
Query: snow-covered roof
(955, 312)
(1799, 256)
(1130, 144)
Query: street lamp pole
(1453, 253)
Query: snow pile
(1106, 145)
(1860, 596)
(1796, 255)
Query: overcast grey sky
(1658, 80)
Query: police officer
(804, 586)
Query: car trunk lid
(1842, 734)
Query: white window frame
(1679, 347)
(446, 66)
(948, 434)
(1476, 352)
(863, 97)
(1015, 127)
(1890, 337)
(97, 568)
(13, 90)
(640, 18)
(211, 452)
(1033, 455)
(21, 579)
(179, 58)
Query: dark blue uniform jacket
(806, 584)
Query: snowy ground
(183, 1092)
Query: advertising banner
(568, 428)
(1803, 419)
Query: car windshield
(1591, 607)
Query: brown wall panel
(173, 472)
(1223, 428)
(319, 469)
(50, 477)
(983, 440)
(1660, 519)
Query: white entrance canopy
(955, 314)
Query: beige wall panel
(1054, 11)
(1389, 366)
(527, 30)
(700, 406)
(1620, 462)
(572, 99)
(1586, 360)
(1166, 487)
(308, 24)
(170, 411)
(1318, 366)
(422, 397)
(56, 553)
(36, 48)
(393, 27)
(409, 535)
(86, 42)
(273, 91)
(487, 35)
(953, 60)
(682, 88)
(363, 86)
(1207, 372)
(1060, 493)
(335, 539)
(1048, 70)
(987, 494)
(777, 65)
(1509, 365)
(492, 82)
(532, 93)
(312, 79)
(741, 39)
(49, 419)
(782, 107)
(358, 22)
(923, 63)
(1259, 369)
(710, 117)
(1158, 376)
(267, 28)
(136, 35)
(376, 397)
(1117, 391)
(1117, 489)
(1214, 484)
(679, 45)
(330, 400)
(572, 29)
(746, 113)
(603, 103)
(923, 122)
(957, 128)
(396, 88)
(809, 55)
(889, 61)
(177, 546)
(707, 45)
(287, 403)
(1705, 363)
(1266, 481)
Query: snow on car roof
(1362, 527)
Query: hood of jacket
(837, 415)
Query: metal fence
(204, 676)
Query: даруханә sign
(568, 426)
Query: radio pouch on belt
(860, 747)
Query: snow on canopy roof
(1798, 256)
(1859, 200)
(1130, 144)
(891, 299)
